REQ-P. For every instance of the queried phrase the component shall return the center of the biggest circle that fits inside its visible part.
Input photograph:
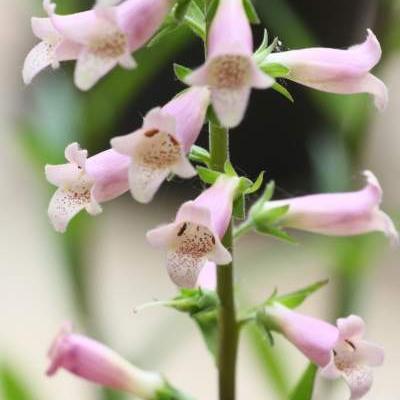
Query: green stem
(228, 329)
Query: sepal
(251, 12)
(200, 155)
(181, 72)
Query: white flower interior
(108, 42)
(230, 71)
(344, 355)
(158, 150)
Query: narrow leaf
(229, 170)
(273, 231)
(270, 216)
(162, 33)
(12, 387)
(180, 9)
(198, 154)
(181, 72)
(305, 388)
(295, 299)
(196, 20)
(257, 184)
(283, 91)
(275, 70)
(251, 12)
(208, 175)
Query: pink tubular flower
(337, 71)
(84, 183)
(230, 70)
(98, 39)
(354, 357)
(313, 337)
(160, 147)
(338, 214)
(99, 364)
(195, 236)
(208, 277)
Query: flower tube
(195, 236)
(338, 214)
(84, 183)
(354, 357)
(337, 71)
(230, 70)
(93, 361)
(313, 337)
(161, 145)
(99, 39)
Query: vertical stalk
(228, 331)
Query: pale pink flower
(230, 70)
(354, 357)
(97, 363)
(98, 39)
(195, 236)
(337, 71)
(313, 337)
(84, 183)
(338, 214)
(208, 277)
(160, 146)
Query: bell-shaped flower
(230, 70)
(313, 337)
(160, 146)
(336, 71)
(195, 236)
(84, 183)
(338, 214)
(99, 39)
(93, 361)
(354, 357)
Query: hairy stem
(228, 331)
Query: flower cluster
(139, 162)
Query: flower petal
(39, 58)
(230, 104)
(190, 212)
(351, 328)
(207, 279)
(184, 168)
(157, 119)
(360, 380)
(63, 207)
(370, 354)
(220, 255)
(162, 236)
(90, 68)
(144, 181)
(184, 269)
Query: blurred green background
(96, 273)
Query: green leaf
(264, 50)
(181, 72)
(275, 70)
(12, 387)
(211, 10)
(257, 184)
(229, 170)
(165, 30)
(212, 116)
(274, 231)
(200, 155)
(283, 91)
(251, 12)
(196, 20)
(208, 175)
(207, 322)
(269, 191)
(181, 9)
(264, 43)
(295, 299)
(305, 388)
(270, 216)
(239, 207)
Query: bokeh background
(102, 268)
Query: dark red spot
(151, 133)
(182, 230)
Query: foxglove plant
(199, 242)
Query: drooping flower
(313, 337)
(337, 71)
(99, 39)
(208, 276)
(84, 183)
(93, 361)
(195, 236)
(160, 147)
(338, 214)
(354, 357)
(230, 70)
